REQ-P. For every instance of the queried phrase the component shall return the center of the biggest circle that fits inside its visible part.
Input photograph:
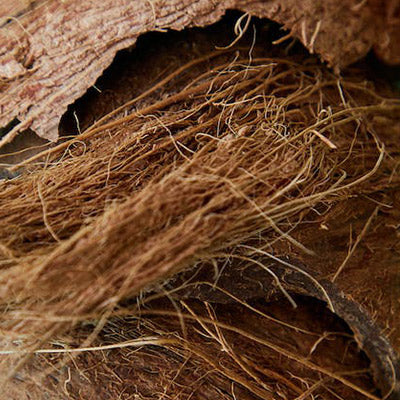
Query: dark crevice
(156, 54)
(12, 124)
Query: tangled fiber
(202, 168)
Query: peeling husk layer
(215, 168)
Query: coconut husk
(227, 163)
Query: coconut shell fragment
(52, 52)
(281, 276)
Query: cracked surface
(52, 52)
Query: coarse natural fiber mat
(173, 249)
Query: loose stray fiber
(201, 165)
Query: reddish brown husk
(245, 159)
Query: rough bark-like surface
(57, 50)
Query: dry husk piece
(52, 52)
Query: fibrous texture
(201, 169)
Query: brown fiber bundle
(201, 168)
